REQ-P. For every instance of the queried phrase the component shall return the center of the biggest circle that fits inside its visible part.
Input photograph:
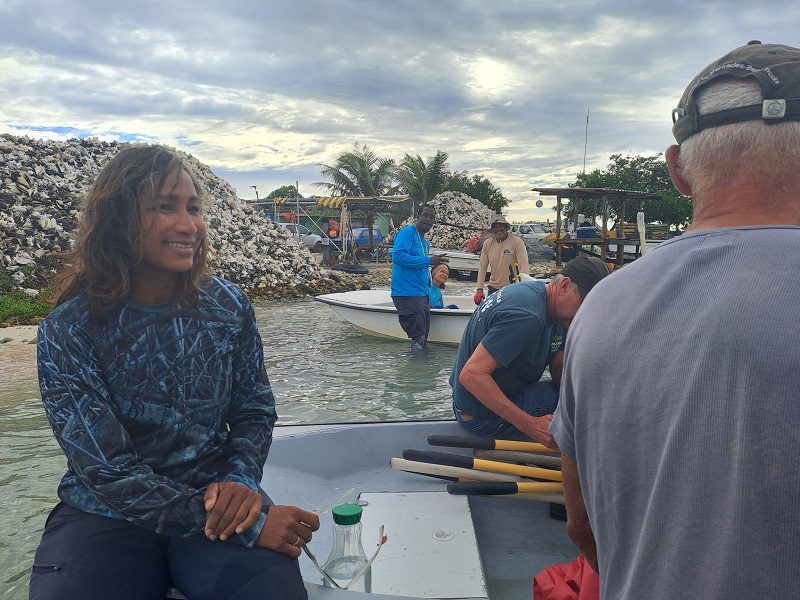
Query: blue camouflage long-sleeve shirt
(154, 403)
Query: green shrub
(6, 283)
(17, 308)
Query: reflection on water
(322, 370)
(31, 464)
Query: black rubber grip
(482, 488)
(461, 441)
(439, 458)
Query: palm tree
(360, 173)
(422, 182)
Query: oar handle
(449, 473)
(484, 488)
(467, 462)
(499, 488)
(439, 458)
(462, 441)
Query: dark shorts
(414, 313)
(82, 555)
(538, 399)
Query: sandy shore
(22, 334)
(17, 360)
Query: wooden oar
(462, 441)
(467, 462)
(551, 498)
(445, 472)
(499, 488)
(545, 461)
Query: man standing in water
(680, 470)
(410, 276)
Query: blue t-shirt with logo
(514, 327)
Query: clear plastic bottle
(347, 555)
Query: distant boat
(463, 265)
(373, 312)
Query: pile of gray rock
(459, 217)
(43, 181)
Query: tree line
(361, 172)
(642, 174)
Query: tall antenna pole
(585, 141)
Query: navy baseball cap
(585, 272)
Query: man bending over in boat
(152, 376)
(511, 338)
(411, 260)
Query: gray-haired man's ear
(672, 155)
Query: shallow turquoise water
(322, 370)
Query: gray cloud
(263, 92)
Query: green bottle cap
(346, 514)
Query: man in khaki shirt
(507, 255)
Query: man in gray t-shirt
(680, 470)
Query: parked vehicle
(304, 236)
(529, 231)
(361, 237)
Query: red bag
(569, 581)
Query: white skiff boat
(463, 265)
(438, 545)
(373, 312)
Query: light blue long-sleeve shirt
(410, 263)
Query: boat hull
(373, 312)
(463, 265)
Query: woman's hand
(287, 528)
(234, 509)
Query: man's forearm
(578, 527)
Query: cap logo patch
(773, 109)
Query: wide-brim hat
(499, 219)
(775, 67)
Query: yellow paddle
(467, 462)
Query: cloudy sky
(264, 91)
